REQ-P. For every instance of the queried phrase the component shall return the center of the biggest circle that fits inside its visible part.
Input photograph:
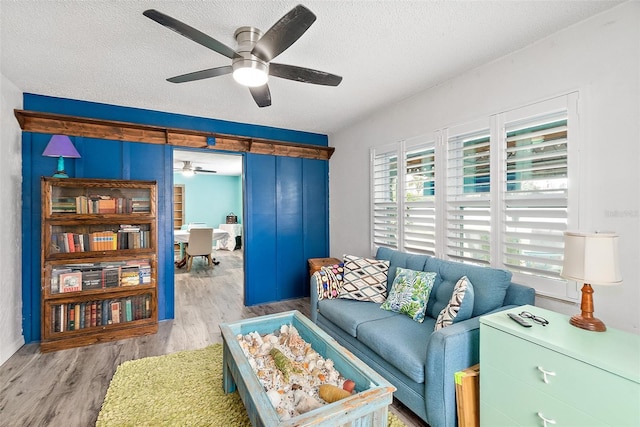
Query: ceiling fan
(188, 169)
(251, 63)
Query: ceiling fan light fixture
(187, 172)
(250, 73)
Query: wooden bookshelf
(178, 206)
(99, 261)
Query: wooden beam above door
(39, 122)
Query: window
(536, 201)
(468, 197)
(384, 197)
(493, 192)
(419, 218)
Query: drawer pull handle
(546, 420)
(545, 373)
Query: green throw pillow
(410, 292)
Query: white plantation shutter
(536, 198)
(419, 210)
(468, 197)
(384, 197)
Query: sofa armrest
(313, 298)
(450, 350)
(519, 295)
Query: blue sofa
(420, 363)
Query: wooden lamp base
(585, 320)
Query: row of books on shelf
(100, 205)
(88, 276)
(81, 315)
(100, 241)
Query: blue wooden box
(368, 407)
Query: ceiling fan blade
(190, 32)
(261, 95)
(304, 75)
(202, 74)
(284, 33)
(199, 170)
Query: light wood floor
(66, 388)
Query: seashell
(312, 365)
(320, 363)
(265, 348)
(274, 397)
(284, 329)
(330, 393)
(328, 364)
(308, 404)
(348, 385)
(333, 377)
(272, 339)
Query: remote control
(519, 320)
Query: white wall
(11, 338)
(599, 58)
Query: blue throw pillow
(460, 306)
(409, 293)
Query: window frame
(497, 125)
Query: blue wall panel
(270, 240)
(260, 225)
(291, 262)
(316, 207)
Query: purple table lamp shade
(60, 146)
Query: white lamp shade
(591, 258)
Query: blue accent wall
(210, 198)
(286, 216)
(285, 200)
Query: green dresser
(556, 375)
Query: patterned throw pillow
(410, 293)
(460, 305)
(329, 279)
(365, 279)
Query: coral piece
(283, 363)
(330, 393)
(348, 385)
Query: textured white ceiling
(107, 51)
(223, 164)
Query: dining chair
(200, 244)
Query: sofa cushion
(489, 285)
(400, 259)
(460, 305)
(329, 279)
(400, 341)
(348, 314)
(365, 279)
(409, 293)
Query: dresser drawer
(492, 416)
(601, 394)
(526, 405)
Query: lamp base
(60, 173)
(585, 320)
(590, 324)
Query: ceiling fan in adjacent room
(251, 63)
(188, 169)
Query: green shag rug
(180, 389)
